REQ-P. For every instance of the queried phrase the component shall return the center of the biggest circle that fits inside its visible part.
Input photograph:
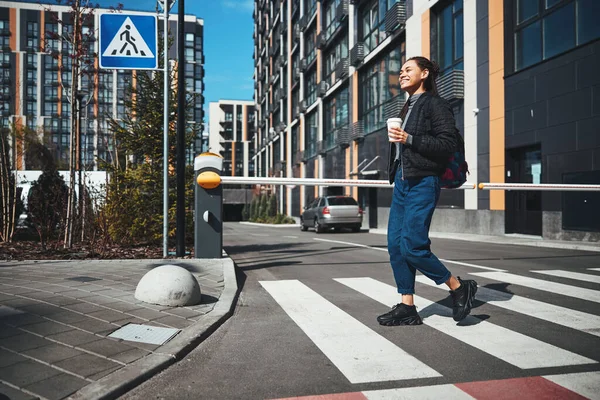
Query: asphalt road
(305, 320)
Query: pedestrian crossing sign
(128, 41)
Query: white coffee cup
(394, 123)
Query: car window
(321, 202)
(341, 201)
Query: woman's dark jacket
(434, 139)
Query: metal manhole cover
(83, 279)
(145, 334)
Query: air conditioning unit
(322, 88)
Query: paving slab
(26, 373)
(86, 364)
(56, 346)
(75, 337)
(52, 353)
(108, 347)
(14, 394)
(47, 328)
(57, 387)
(9, 358)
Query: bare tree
(76, 33)
(8, 184)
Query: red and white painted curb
(584, 385)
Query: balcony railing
(357, 54)
(391, 109)
(451, 85)
(358, 131)
(395, 17)
(321, 41)
(321, 148)
(341, 69)
(341, 136)
(341, 11)
(322, 88)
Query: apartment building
(231, 134)
(32, 92)
(521, 76)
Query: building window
(331, 23)
(310, 47)
(450, 37)
(333, 57)
(372, 23)
(310, 7)
(311, 135)
(32, 35)
(51, 93)
(336, 117)
(379, 85)
(310, 88)
(295, 148)
(547, 28)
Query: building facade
(231, 134)
(34, 90)
(520, 75)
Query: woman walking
(419, 152)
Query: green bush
(272, 206)
(134, 206)
(254, 208)
(47, 205)
(264, 205)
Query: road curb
(123, 380)
(506, 240)
(270, 225)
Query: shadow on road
(270, 264)
(447, 304)
(259, 247)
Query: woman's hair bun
(435, 69)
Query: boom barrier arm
(242, 180)
(558, 187)
(230, 180)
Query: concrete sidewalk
(55, 318)
(511, 239)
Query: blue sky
(228, 44)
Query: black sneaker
(400, 314)
(463, 299)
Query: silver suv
(332, 212)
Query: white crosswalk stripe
(540, 284)
(594, 269)
(512, 347)
(450, 392)
(578, 276)
(358, 352)
(584, 383)
(584, 322)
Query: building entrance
(524, 208)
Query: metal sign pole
(166, 5)
(180, 212)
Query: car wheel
(356, 228)
(318, 227)
(303, 227)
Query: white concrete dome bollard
(169, 285)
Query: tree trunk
(70, 221)
(8, 187)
